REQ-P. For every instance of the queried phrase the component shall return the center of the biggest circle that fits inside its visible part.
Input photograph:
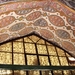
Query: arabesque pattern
(50, 19)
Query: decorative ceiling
(70, 3)
(50, 19)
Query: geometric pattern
(50, 19)
(33, 50)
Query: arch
(48, 18)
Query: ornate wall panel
(50, 19)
